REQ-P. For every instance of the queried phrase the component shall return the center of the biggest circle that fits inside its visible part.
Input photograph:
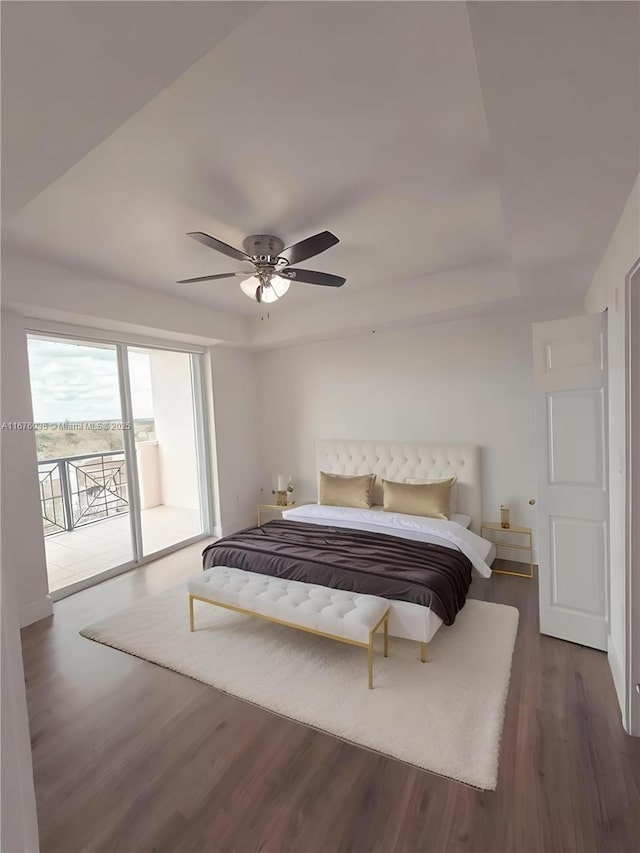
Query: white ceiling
(72, 72)
(561, 87)
(430, 137)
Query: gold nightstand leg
(423, 652)
(531, 554)
(370, 660)
(191, 618)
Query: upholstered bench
(334, 613)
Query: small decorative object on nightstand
(283, 490)
(494, 526)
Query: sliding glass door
(120, 443)
(83, 471)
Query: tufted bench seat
(335, 613)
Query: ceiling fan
(273, 264)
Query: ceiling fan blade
(218, 245)
(308, 248)
(214, 277)
(312, 277)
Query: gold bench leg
(385, 625)
(423, 652)
(191, 620)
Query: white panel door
(569, 373)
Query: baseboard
(35, 611)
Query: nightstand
(272, 508)
(496, 527)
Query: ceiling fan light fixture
(249, 285)
(276, 288)
(279, 285)
(274, 266)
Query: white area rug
(445, 715)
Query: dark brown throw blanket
(353, 560)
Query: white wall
(460, 381)
(173, 411)
(18, 819)
(235, 419)
(619, 257)
(633, 510)
(608, 292)
(149, 481)
(22, 538)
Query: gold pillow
(432, 500)
(344, 490)
(454, 488)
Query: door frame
(203, 445)
(632, 486)
(129, 442)
(86, 334)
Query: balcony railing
(80, 490)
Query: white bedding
(450, 533)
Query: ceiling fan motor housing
(263, 247)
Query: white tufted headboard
(397, 460)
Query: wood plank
(129, 756)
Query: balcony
(85, 513)
(79, 490)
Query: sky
(79, 382)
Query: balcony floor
(87, 551)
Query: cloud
(79, 382)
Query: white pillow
(416, 481)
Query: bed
(312, 536)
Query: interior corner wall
(461, 381)
(236, 433)
(23, 550)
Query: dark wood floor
(132, 757)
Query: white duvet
(447, 533)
